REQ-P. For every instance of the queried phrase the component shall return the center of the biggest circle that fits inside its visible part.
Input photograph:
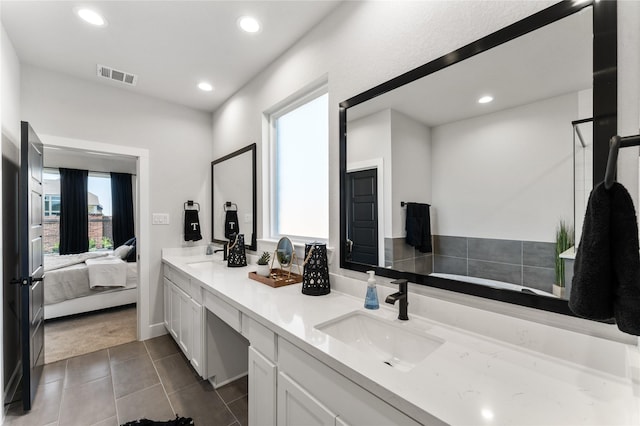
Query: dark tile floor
(150, 379)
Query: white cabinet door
(197, 336)
(167, 303)
(297, 407)
(262, 390)
(174, 321)
(186, 326)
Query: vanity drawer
(223, 310)
(178, 278)
(260, 337)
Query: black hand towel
(191, 226)
(626, 261)
(418, 227)
(231, 224)
(606, 281)
(592, 288)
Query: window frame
(290, 104)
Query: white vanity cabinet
(311, 392)
(184, 316)
(262, 389)
(296, 406)
(263, 372)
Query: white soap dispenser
(371, 299)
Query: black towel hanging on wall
(192, 222)
(606, 280)
(231, 226)
(418, 227)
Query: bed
(87, 282)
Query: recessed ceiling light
(91, 17)
(205, 86)
(249, 24)
(485, 99)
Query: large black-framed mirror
(233, 196)
(491, 180)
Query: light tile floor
(150, 379)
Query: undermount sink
(393, 344)
(206, 264)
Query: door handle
(26, 281)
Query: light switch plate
(160, 219)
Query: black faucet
(223, 250)
(402, 297)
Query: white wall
(370, 142)
(362, 44)
(359, 45)
(178, 140)
(10, 124)
(506, 175)
(411, 167)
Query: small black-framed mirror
(233, 196)
(398, 102)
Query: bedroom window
(100, 224)
(51, 205)
(98, 209)
(299, 139)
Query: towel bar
(615, 143)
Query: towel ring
(228, 205)
(190, 204)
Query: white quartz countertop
(469, 380)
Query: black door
(31, 263)
(362, 227)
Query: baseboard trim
(154, 330)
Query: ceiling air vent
(113, 74)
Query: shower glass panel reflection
(582, 170)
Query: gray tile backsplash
(538, 254)
(503, 251)
(449, 265)
(529, 263)
(450, 246)
(539, 278)
(401, 256)
(505, 272)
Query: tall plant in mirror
(455, 174)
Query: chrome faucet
(400, 296)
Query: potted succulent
(263, 265)
(564, 241)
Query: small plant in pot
(564, 241)
(263, 265)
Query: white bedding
(107, 271)
(74, 281)
(52, 263)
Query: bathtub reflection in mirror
(498, 174)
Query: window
(100, 223)
(300, 168)
(52, 205)
(98, 209)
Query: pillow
(122, 251)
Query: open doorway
(90, 293)
(97, 321)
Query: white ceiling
(551, 61)
(170, 45)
